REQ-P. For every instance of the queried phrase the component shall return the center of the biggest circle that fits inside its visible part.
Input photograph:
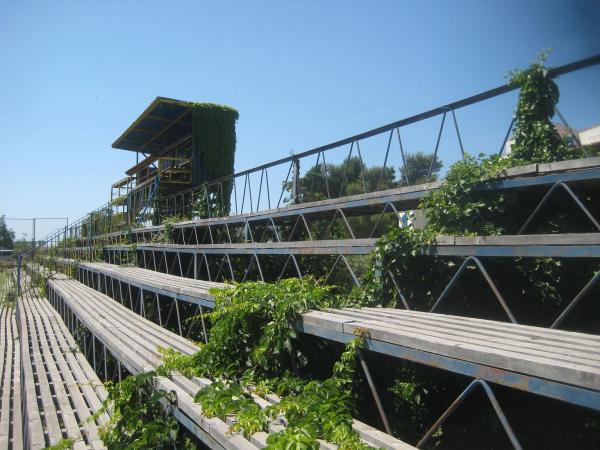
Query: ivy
(138, 420)
(253, 342)
(320, 410)
(223, 398)
(252, 329)
(215, 140)
(536, 138)
(208, 203)
(9, 297)
(63, 444)
(398, 256)
(166, 234)
(130, 256)
(293, 439)
(323, 409)
(459, 207)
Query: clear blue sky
(74, 75)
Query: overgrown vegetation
(319, 409)
(63, 444)
(215, 140)
(138, 419)
(252, 334)
(8, 291)
(254, 346)
(536, 138)
(7, 236)
(461, 208)
(166, 234)
(401, 273)
(253, 342)
(210, 203)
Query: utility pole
(19, 261)
(33, 226)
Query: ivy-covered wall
(214, 142)
(214, 146)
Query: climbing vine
(209, 203)
(459, 207)
(138, 420)
(63, 444)
(253, 342)
(462, 206)
(536, 138)
(166, 234)
(319, 409)
(215, 140)
(252, 332)
(254, 347)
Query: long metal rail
(225, 189)
(216, 186)
(199, 231)
(576, 245)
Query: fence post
(19, 260)
(90, 235)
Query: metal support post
(105, 363)
(19, 264)
(90, 233)
(460, 399)
(33, 238)
(296, 181)
(367, 373)
(94, 351)
(488, 279)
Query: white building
(588, 137)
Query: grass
(8, 293)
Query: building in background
(589, 137)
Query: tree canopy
(417, 168)
(7, 236)
(353, 177)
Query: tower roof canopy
(164, 122)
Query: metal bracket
(488, 279)
(460, 399)
(548, 195)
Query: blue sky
(74, 75)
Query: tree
(7, 236)
(348, 178)
(417, 168)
